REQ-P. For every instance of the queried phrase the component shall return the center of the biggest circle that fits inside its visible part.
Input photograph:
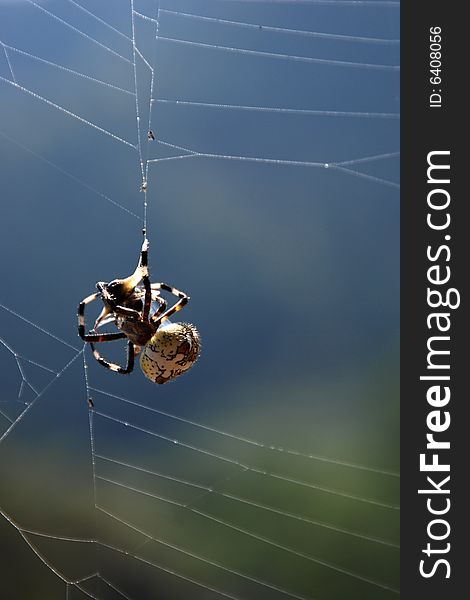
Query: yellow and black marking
(170, 352)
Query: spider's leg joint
(101, 286)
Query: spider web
(269, 471)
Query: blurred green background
(294, 284)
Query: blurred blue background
(294, 284)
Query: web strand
(249, 441)
(91, 14)
(24, 534)
(38, 327)
(67, 112)
(72, 177)
(268, 28)
(250, 534)
(5, 416)
(81, 33)
(212, 490)
(279, 56)
(279, 110)
(167, 570)
(246, 467)
(373, 178)
(24, 381)
(33, 402)
(113, 587)
(152, 85)
(283, 162)
(62, 68)
(7, 57)
(143, 162)
(137, 111)
(200, 558)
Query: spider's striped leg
(112, 366)
(183, 300)
(156, 297)
(148, 292)
(93, 337)
(103, 337)
(147, 298)
(81, 313)
(144, 266)
(144, 257)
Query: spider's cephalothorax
(168, 349)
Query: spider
(168, 349)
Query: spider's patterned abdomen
(171, 351)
